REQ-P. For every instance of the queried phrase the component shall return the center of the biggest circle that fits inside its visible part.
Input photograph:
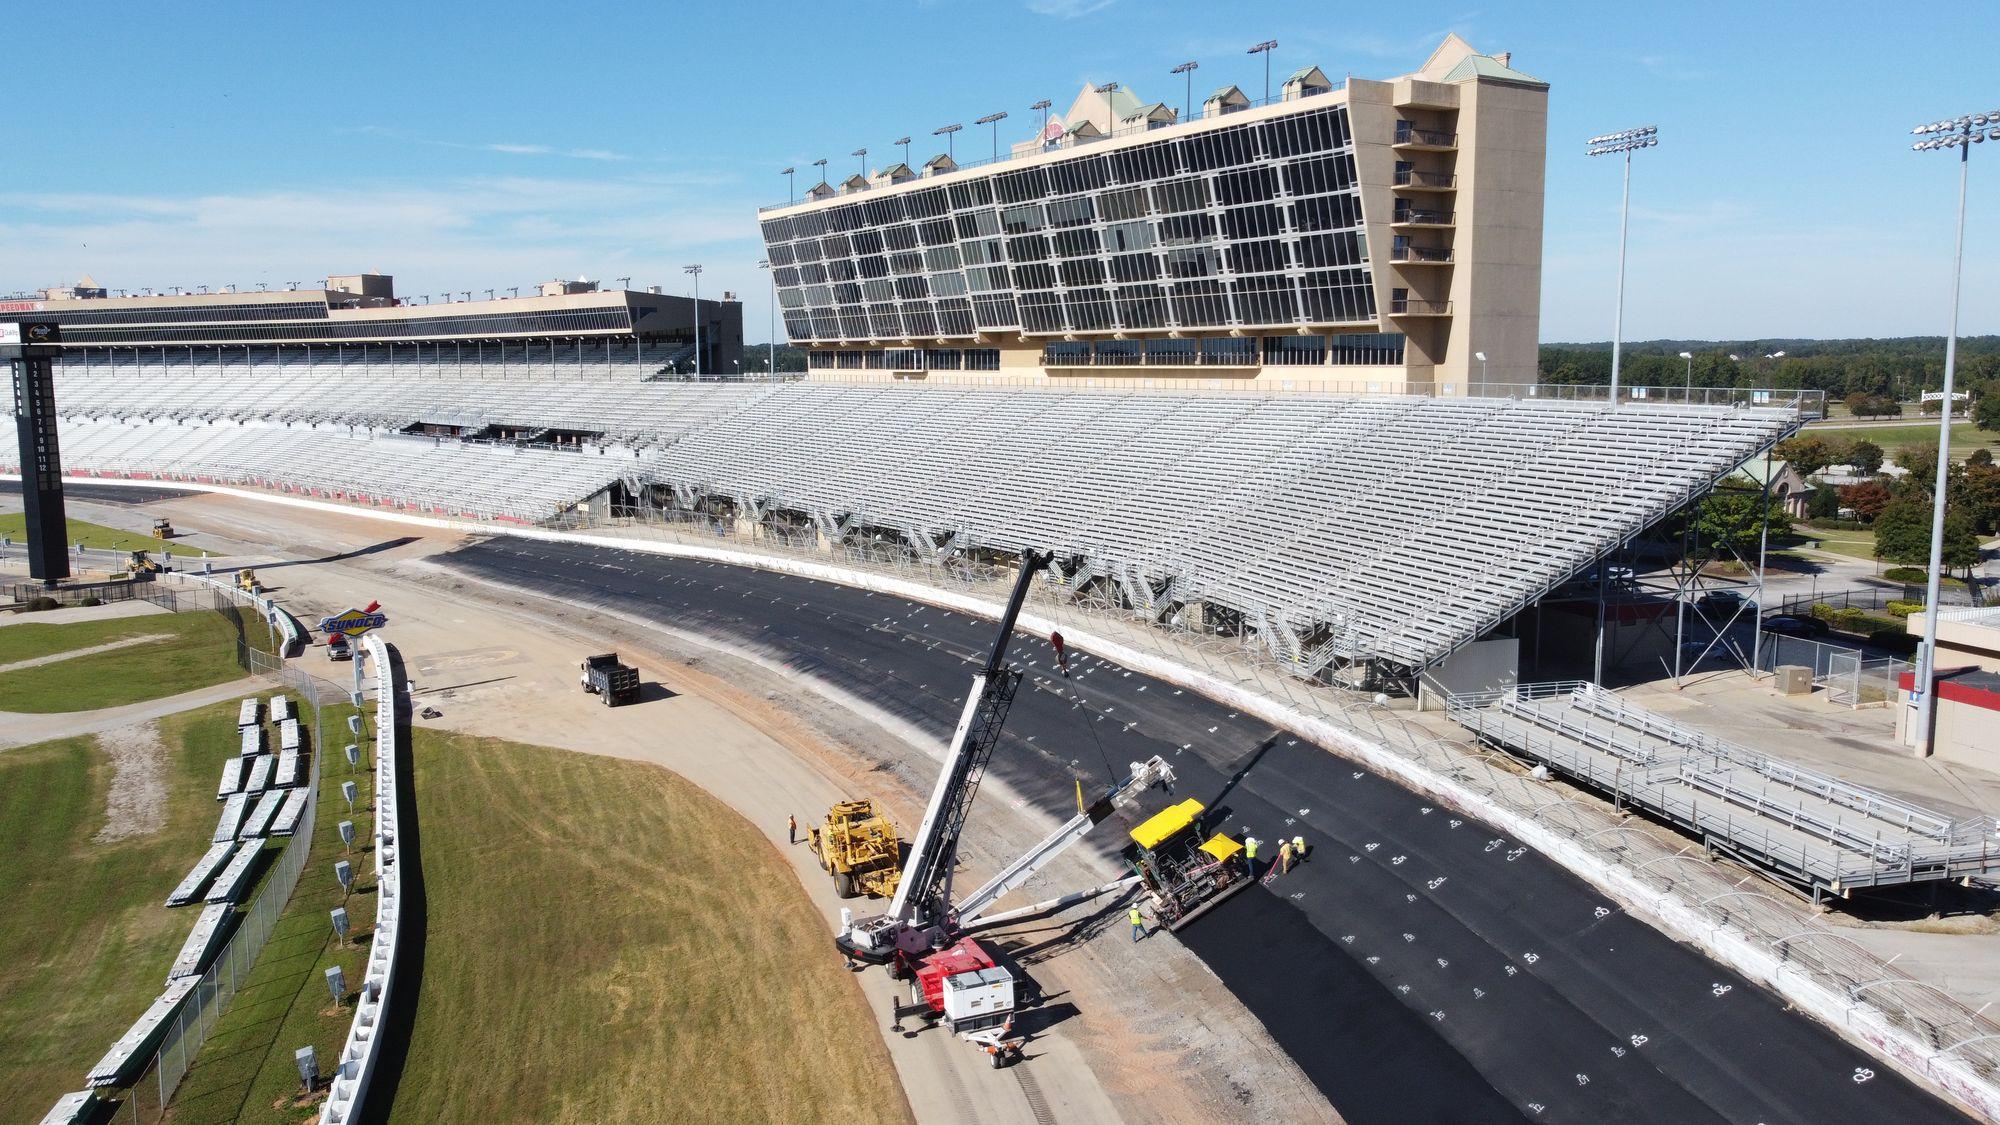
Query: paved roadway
(1419, 966)
(105, 493)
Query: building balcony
(1412, 180)
(1421, 217)
(1421, 255)
(1411, 306)
(1410, 138)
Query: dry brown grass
(607, 943)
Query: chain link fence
(1851, 677)
(1731, 903)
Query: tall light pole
(791, 190)
(1042, 138)
(695, 272)
(1481, 357)
(1688, 392)
(1626, 143)
(1265, 48)
(765, 265)
(821, 165)
(945, 131)
(994, 119)
(1960, 134)
(862, 152)
(905, 142)
(1187, 68)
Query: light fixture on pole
(1265, 48)
(1689, 356)
(1610, 144)
(905, 142)
(1042, 138)
(1961, 134)
(791, 192)
(821, 165)
(1481, 357)
(862, 152)
(994, 119)
(945, 131)
(695, 272)
(1187, 68)
(765, 265)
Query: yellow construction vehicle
(141, 562)
(860, 849)
(163, 529)
(246, 580)
(1185, 874)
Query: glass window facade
(1256, 225)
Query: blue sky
(468, 146)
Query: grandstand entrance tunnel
(1419, 966)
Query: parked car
(336, 648)
(1722, 601)
(1795, 625)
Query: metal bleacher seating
(1339, 528)
(231, 820)
(134, 1049)
(287, 821)
(235, 878)
(191, 888)
(210, 929)
(257, 823)
(1809, 828)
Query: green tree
(1732, 516)
(1824, 504)
(1903, 530)
(1865, 457)
(1806, 454)
(1986, 412)
(1961, 545)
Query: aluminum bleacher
(1338, 529)
(1810, 829)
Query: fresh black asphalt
(1419, 966)
(106, 493)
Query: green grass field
(608, 943)
(201, 651)
(1856, 543)
(14, 525)
(245, 1070)
(85, 943)
(1964, 438)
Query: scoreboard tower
(28, 349)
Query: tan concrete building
(1367, 235)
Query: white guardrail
(359, 1053)
(295, 637)
(1851, 1014)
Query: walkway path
(88, 650)
(18, 729)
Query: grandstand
(1384, 528)
(1812, 829)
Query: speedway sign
(354, 622)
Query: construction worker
(791, 829)
(1250, 854)
(1298, 849)
(1285, 857)
(1138, 922)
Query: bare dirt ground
(1139, 1032)
(136, 804)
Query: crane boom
(924, 891)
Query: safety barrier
(359, 1053)
(1907, 1023)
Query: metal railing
(1408, 133)
(1411, 178)
(1419, 216)
(1420, 254)
(1411, 306)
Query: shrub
(1822, 611)
(1903, 609)
(1847, 617)
(1914, 575)
(39, 603)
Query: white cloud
(1067, 9)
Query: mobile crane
(922, 919)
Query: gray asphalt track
(105, 493)
(1419, 966)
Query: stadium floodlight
(994, 119)
(946, 132)
(1481, 357)
(1265, 48)
(1689, 356)
(1960, 134)
(821, 165)
(512, 291)
(862, 152)
(1187, 68)
(791, 195)
(694, 271)
(905, 142)
(1624, 143)
(1042, 138)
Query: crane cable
(1078, 702)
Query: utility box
(979, 999)
(1794, 679)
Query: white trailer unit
(979, 999)
(202, 942)
(258, 822)
(232, 779)
(250, 714)
(231, 819)
(235, 878)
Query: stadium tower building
(356, 326)
(1363, 236)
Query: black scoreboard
(29, 349)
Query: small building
(1229, 99)
(854, 183)
(1310, 82)
(1967, 724)
(1155, 116)
(940, 165)
(820, 191)
(1787, 485)
(897, 173)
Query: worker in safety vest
(792, 829)
(1285, 856)
(1138, 923)
(1298, 849)
(1250, 854)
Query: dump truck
(1184, 868)
(859, 848)
(610, 680)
